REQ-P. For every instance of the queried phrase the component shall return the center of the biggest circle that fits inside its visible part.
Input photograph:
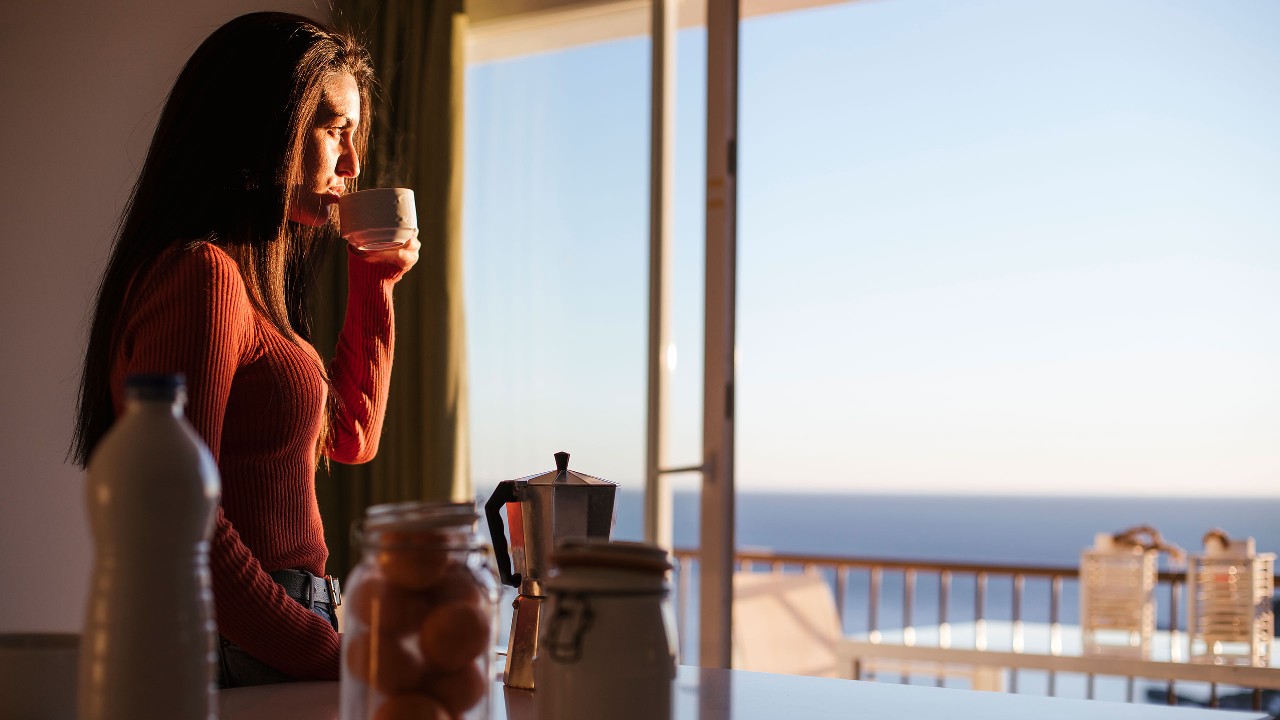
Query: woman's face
(329, 158)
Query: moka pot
(542, 511)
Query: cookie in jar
(420, 616)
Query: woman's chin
(311, 217)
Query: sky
(986, 246)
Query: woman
(210, 275)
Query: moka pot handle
(503, 494)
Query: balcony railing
(895, 604)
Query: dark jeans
(237, 668)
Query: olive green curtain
(418, 55)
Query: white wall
(81, 85)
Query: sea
(1037, 530)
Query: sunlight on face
(330, 157)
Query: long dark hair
(224, 167)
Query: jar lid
(416, 515)
(616, 555)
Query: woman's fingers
(403, 257)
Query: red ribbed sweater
(258, 400)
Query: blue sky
(984, 246)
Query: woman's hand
(403, 257)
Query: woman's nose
(348, 161)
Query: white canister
(608, 646)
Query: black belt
(302, 585)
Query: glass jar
(420, 616)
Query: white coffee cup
(378, 219)
(38, 675)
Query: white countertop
(712, 694)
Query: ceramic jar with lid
(420, 609)
(608, 645)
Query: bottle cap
(156, 386)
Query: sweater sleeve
(192, 315)
(361, 367)
(257, 615)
